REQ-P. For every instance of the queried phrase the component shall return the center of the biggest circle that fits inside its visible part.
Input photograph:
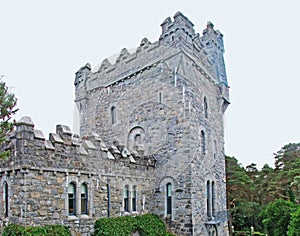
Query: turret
(181, 29)
(214, 47)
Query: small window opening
(213, 198)
(205, 107)
(6, 199)
(208, 199)
(113, 115)
(126, 198)
(203, 142)
(134, 208)
(72, 199)
(169, 198)
(160, 97)
(84, 199)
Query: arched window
(133, 198)
(205, 107)
(208, 199)
(169, 198)
(72, 199)
(84, 199)
(113, 115)
(213, 198)
(6, 206)
(203, 142)
(126, 198)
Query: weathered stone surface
(152, 118)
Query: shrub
(48, 230)
(146, 225)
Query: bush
(294, 226)
(48, 230)
(146, 225)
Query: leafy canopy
(8, 103)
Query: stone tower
(166, 101)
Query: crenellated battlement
(66, 150)
(177, 36)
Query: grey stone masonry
(151, 141)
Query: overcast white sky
(43, 44)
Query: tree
(276, 217)
(294, 227)
(287, 167)
(239, 191)
(7, 110)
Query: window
(133, 198)
(160, 97)
(203, 142)
(126, 198)
(72, 199)
(213, 198)
(215, 149)
(113, 115)
(84, 199)
(208, 199)
(6, 206)
(205, 107)
(169, 198)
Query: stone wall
(39, 172)
(171, 95)
(152, 119)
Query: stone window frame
(134, 198)
(163, 191)
(126, 198)
(6, 190)
(211, 207)
(113, 113)
(73, 199)
(78, 183)
(130, 198)
(205, 107)
(169, 198)
(84, 210)
(203, 141)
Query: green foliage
(294, 227)
(47, 230)
(276, 217)
(7, 109)
(146, 225)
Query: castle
(151, 141)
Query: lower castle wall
(40, 197)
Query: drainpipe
(108, 198)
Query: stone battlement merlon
(66, 149)
(177, 35)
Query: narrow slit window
(169, 198)
(84, 199)
(126, 198)
(6, 199)
(203, 142)
(213, 198)
(208, 199)
(113, 115)
(133, 199)
(72, 199)
(205, 107)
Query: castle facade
(151, 141)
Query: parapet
(176, 36)
(64, 149)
